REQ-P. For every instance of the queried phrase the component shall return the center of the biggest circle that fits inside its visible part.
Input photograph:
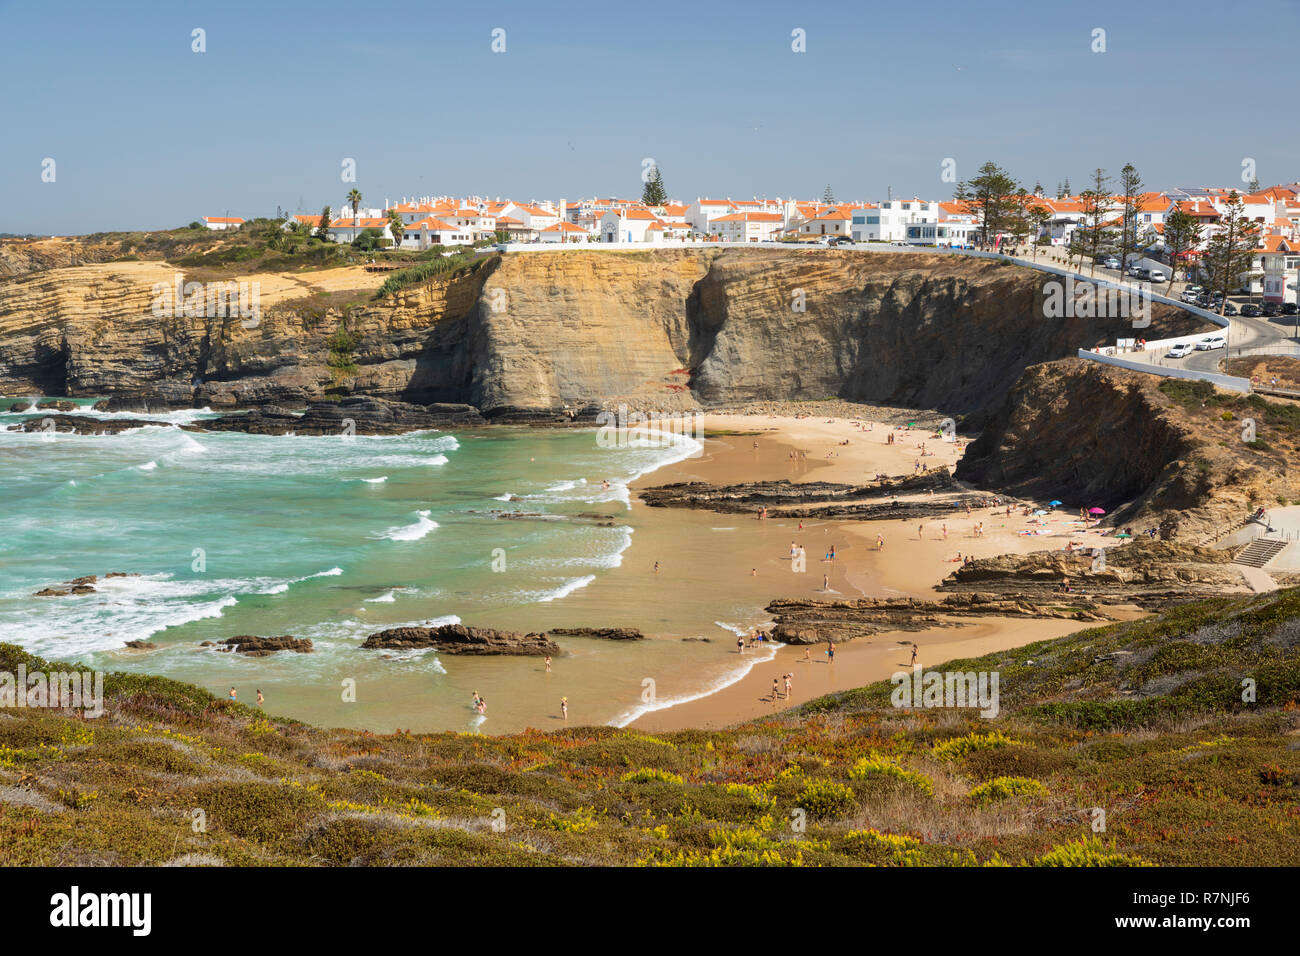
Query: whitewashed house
(222, 223)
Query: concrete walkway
(1260, 581)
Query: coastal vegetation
(1167, 741)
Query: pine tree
(654, 194)
(1182, 234)
(828, 196)
(323, 227)
(991, 196)
(1130, 184)
(1096, 202)
(1231, 250)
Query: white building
(631, 225)
(563, 232)
(434, 232)
(748, 226)
(348, 228)
(1281, 270)
(222, 223)
(888, 222)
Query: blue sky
(148, 134)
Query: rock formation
(459, 639)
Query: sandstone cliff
(543, 331)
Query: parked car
(1181, 350)
(1271, 309)
(1250, 311)
(1158, 276)
(1290, 308)
(1137, 272)
(1211, 342)
(841, 241)
(1111, 263)
(1229, 309)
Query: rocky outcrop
(82, 425)
(603, 633)
(1149, 573)
(82, 585)
(359, 416)
(817, 622)
(459, 639)
(877, 500)
(1094, 435)
(253, 646)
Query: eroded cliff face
(666, 329)
(1081, 431)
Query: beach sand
(711, 564)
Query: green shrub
(826, 798)
(1003, 788)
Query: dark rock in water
(82, 585)
(21, 407)
(142, 645)
(57, 405)
(84, 425)
(139, 403)
(604, 633)
(459, 639)
(252, 646)
(698, 640)
(361, 416)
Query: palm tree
(354, 197)
(395, 226)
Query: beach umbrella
(1096, 511)
(1055, 503)
(1040, 511)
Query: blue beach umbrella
(1055, 503)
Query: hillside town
(1050, 225)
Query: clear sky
(147, 134)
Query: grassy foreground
(1145, 721)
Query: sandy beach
(709, 560)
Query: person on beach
(880, 542)
(656, 567)
(233, 694)
(476, 700)
(548, 664)
(482, 706)
(775, 692)
(740, 645)
(913, 655)
(260, 699)
(945, 532)
(564, 708)
(753, 572)
(920, 531)
(787, 684)
(826, 583)
(830, 652)
(807, 655)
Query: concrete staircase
(1259, 552)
